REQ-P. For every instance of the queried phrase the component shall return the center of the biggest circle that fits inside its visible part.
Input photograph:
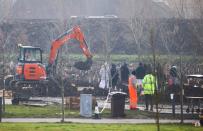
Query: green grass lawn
(121, 57)
(135, 58)
(93, 127)
(54, 111)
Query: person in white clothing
(104, 76)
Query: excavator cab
(29, 54)
(30, 67)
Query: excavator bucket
(83, 65)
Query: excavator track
(26, 89)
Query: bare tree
(165, 35)
(137, 22)
(137, 29)
(5, 8)
(180, 6)
(197, 25)
(62, 64)
(60, 82)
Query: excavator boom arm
(74, 33)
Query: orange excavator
(31, 71)
(74, 33)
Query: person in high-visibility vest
(149, 83)
(132, 91)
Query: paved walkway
(102, 121)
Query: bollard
(0, 108)
(173, 104)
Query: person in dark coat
(173, 83)
(124, 73)
(114, 76)
(140, 71)
(173, 71)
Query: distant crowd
(138, 82)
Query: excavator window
(21, 57)
(30, 55)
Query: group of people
(135, 82)
(142, 80)
(113, 76)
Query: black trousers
(149, 100)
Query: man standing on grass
(124, 71)
(140, 73)
(149, 88)
(132, 88)
(114, 76)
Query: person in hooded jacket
(114, 76)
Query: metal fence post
(0, 108)
(173, 104)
